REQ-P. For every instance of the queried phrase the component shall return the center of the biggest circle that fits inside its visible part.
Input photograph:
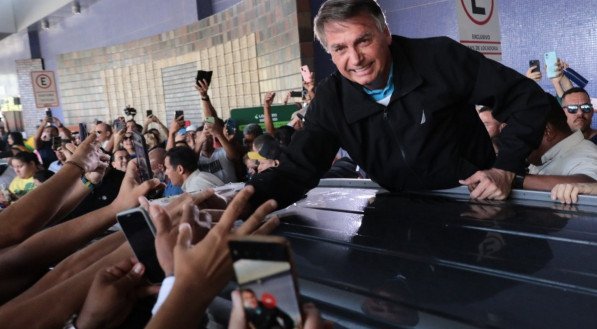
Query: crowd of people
(386, 114)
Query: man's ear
(550, 133)
(387, 35)
(179, 170)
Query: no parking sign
(479, 27)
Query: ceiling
(20, 15)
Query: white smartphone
(551, 60)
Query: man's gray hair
(341, 10)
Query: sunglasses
(585, 108)
(128, 138)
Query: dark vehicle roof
(440, 260)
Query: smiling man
(579, 112)
(404, 110)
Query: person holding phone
(43, 141)
(404, 110)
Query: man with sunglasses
(579, 112)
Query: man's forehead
(574, 97)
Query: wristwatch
(518, 182)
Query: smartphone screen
(49, 113)
(296, 94)
(83, 131)
(550, 61)
(119, 125)
(149, 113)
(178, 113)
(264, 272)
(56, 142)
(140, 233)
(306, 73)
(145, 172)
(203, 75)
(536, 63)
(210, 120)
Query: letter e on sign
(44, 89)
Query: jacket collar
(359, 105)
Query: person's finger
(554, 192)
(160, 219)
(237, 315)
(268, 226)
(480, 189)
(255, 220)
(187, 213)
(574, 194)
(147, 290)
(143, 202)
(202, 196)
(119, 269)
(185, 235)
(313, 318)
(235, 208)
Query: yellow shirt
(20, 186)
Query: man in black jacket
(404, 110)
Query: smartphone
(178, 113)
(49, 113)
(140, 233)
(142, 157)
(306, 73)
(210, 120)
(56, 142)
(83, 131)
(119, 125)
(203, 75)
(265, 273)
(551, 60)
(148, 113)
(296, 94)
(536, 63)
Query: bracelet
(76, 165)
(518, 182)
(87, 183)
(206, 98)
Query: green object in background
(281, 115)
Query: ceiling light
(76, 8)
(45, 24)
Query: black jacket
(428, 137)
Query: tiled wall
(253, 47)
(30, 114)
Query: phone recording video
(142, 158)
(296, 94)
(49, 113)
(306, 73)
(140, 233)
(83, 131)
(178, 113)
(265, 274)
(535, 63)
(203, 75)
(148, 113)
(56, 142)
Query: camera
(130, 111)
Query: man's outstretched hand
(490, 184)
